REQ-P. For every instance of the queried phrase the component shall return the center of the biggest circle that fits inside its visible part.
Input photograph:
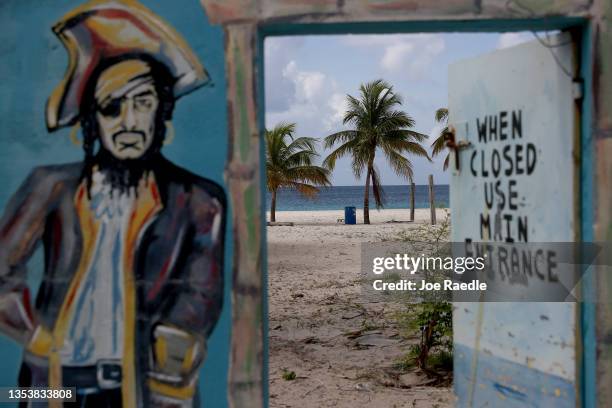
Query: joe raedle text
(415, 264)
(423, 285)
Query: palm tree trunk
(366, 198)
(273, 207)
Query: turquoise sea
(338, 197)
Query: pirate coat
(174, 278)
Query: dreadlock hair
(126, 173)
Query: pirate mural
(133, 244)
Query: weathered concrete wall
(239, 14)
(351, 11)
(34, 62)
(247, 380)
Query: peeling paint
(243, 171)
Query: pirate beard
(123, 174)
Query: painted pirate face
(127, 104)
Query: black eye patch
(111, 109)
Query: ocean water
(338, 197)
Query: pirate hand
(176, 354)
(16, 320)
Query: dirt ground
(344, 352)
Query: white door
(516, 181)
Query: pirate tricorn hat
(103, 29)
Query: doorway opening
(328, 342)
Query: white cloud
(511, 39)
(338, 105)
(316, 103)
(395, 54)
(279, 51)
(435, 131)
(314, 96)
(308, 85)
(411, 53)
(313, 99)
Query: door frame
(585, 370)
(247, 23)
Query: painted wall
(246, 21)
(522, 353)
(34, 61)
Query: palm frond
(442, 115)
(400, 165)
(302, 143)
(340, 137)
(439, 144)
(404, 135)
(304, 188)
(300, 158)
(309, 174)
(361, 158)
(342, 150)
(416, 149)
(377, 189)
(289, 161)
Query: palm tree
(377, 125)
(439, 144)
(289, 163)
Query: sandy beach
(421, 215)
(344, 352)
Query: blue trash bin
(350, 217)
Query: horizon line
(384, 185)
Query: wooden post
(412, 186)
(246, 378)
(432, 204)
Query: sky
(307, 79)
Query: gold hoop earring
(169, 133)
(74, 134)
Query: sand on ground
(333, 217)
(343, 350)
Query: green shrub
(288, 375)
